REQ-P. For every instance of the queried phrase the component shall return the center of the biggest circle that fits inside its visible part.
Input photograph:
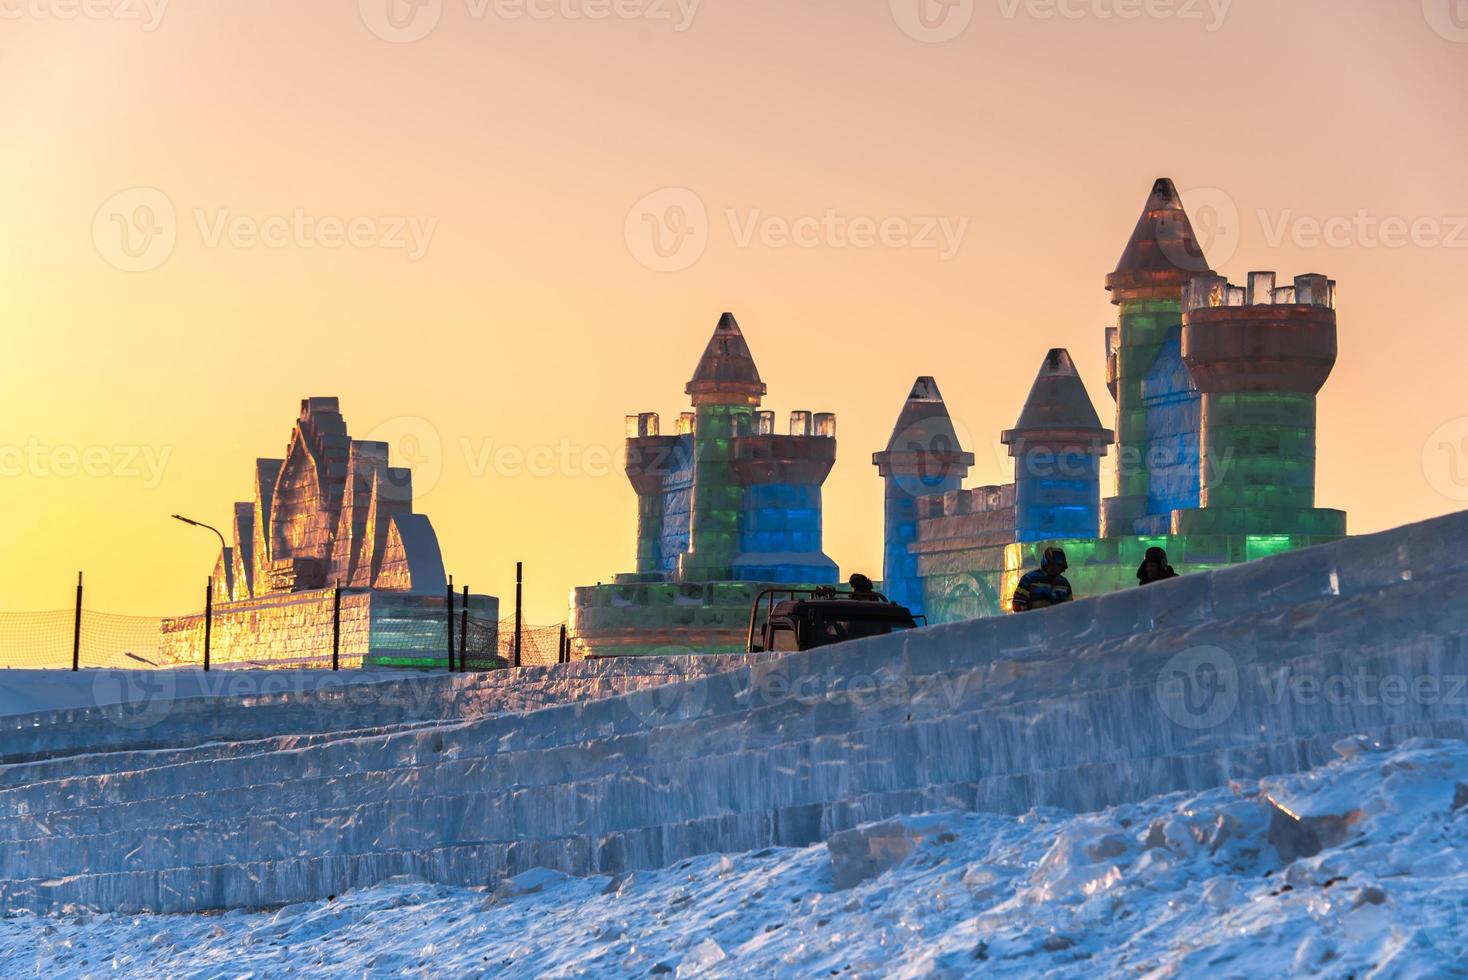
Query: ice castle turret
(1157, 407)
(1259, 354)
(923, 458)
(726, 389)
(1057, 446)
(725, 507)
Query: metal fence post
(76, 630)
(519, 620)
(449, 601)
(336, 629)
(464, 631)
(208, 617)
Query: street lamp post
(208, 527)
(209, 593)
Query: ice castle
(1215, 387)
(333, 514)
(725, 507)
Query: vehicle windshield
(840, 630)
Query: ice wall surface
(1181, 685)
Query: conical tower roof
(1058, 409)
(1163, 252)
(924, 434)
(726, 374)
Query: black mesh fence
(46, 640)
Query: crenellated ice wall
(1240, 672)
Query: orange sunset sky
(443, 213)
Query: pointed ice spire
(726, 373)
(1058, 408)
(1163, 251)
(924, 429)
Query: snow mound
(1353, 867)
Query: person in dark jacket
(862, 588)
(1154, 567)
(1046, 586)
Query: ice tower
(1259, 354)
(1057, 446)
(725, 506)
(1157, 407)
(923, 458)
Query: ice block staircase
(1181, 685)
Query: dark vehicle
(808, 618)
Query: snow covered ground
(1359, 868)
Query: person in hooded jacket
(1154, 567)
(1045, 586)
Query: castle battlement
(1211, 292)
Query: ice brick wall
(295, 629)
(1180, 685)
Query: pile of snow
(1359, 865)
